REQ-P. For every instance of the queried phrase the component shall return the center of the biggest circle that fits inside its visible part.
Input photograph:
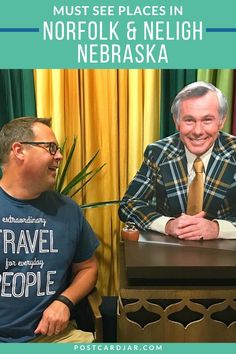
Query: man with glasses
(50, 146)
(44, 238)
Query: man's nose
(58, 155)
(198, 129)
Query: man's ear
(18, 150)
(222, 122)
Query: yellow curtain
(143, 116)
(50, 98)
(117, 113)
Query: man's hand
(56, 316)
(54, 320)
(194, 227)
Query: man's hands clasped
(192, 227)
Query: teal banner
(117, 34)
(142, 348)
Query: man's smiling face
(199, 122)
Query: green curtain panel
(17, 97)
(224, 80)
(172, 81)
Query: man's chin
(51, 183)
(197, 150)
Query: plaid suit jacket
(160, 186)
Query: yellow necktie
(196, 189)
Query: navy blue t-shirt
(39, 240)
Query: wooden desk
(177, 293)
(174, 261)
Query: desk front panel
(174, 264)
(175, 312)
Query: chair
(88, 316)
(95, 300)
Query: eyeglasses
(50, 147)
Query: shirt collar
(191, 157)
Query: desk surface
(158, 238)
(170, 259)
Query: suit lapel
(174, 173)
(220, 174)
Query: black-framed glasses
(49, 146)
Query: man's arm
(56, 316)
(136, 205)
